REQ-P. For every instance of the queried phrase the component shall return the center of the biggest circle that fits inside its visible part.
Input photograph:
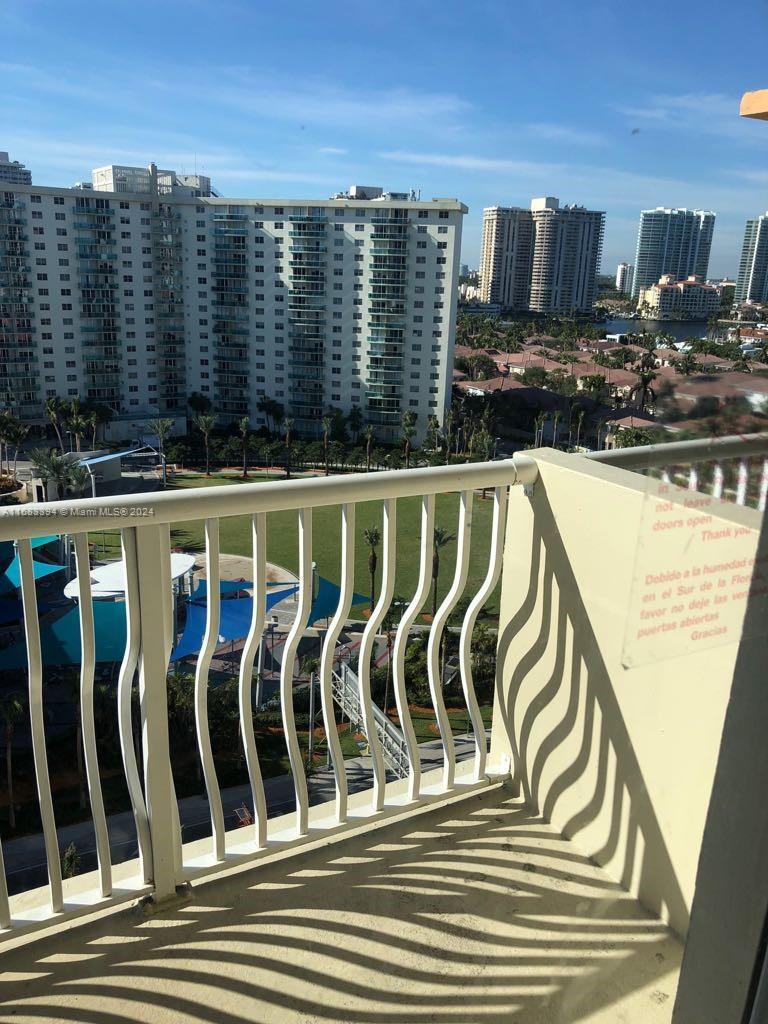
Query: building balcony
(310, 248)
(598, 809)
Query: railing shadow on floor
(470, 913)
(587, 718)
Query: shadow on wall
(571, 751)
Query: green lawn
(282, 539)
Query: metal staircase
(345, 692)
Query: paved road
(25, 857)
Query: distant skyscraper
(672, 241)
(507, 253)
(543, 259)
(567, 246)
(752, 282)
(12, 172)
(624, 274)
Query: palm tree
(54, 410)
(77, 422)
(538, 436)
(368, 435)
(79, 478)
(579, 425)
(327, 423)
(407, 430)
(686, 364)
(372, 539)
(440, 538)
(244, 430)
(447, 433)
(741, 364)
(162, 429)
(644, 394)
(288, 427)
(52, 466)
(555, 420)
(18, 432)
(356, 422)
(205, 423)
(93, 423)
(6, 436)
(11, 710)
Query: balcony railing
(589, 744)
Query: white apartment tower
(12, 172)
(505, 260)
(672, 241)
(752, 282)
(567, 247)
(544, 259)
(138, 299)
(624, 274)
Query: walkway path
(25, 857)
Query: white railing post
(718, 480)
(743, 482)
(153, 668)
(763, 494)
(693, 478)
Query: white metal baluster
(169, 619)
(693, 478)
(468, 625)
(763, 494)
(665, 476)
(743, 481)
(389, 513)
(329, 647)
(162, 809)
(718, 480)
(401, 643)
(201, 686)
(259, 543)
(35, 672)
(87, 673)
(304, 606)
(124, 693)
(436, 634)
(5, 910)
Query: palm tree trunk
(207, 459)
(9, 775)
(245, 462)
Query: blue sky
(615, 106)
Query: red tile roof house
(752, 386)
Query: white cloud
(565, 133)
(697, 113)
(333, 151)
(324, 103)
(469, 162)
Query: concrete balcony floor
(474, 911)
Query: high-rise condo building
(138, 299)
(544, 259)
(672, 241)
(12, 172)
(752, 282)
(624, 274)
(506, 257)
(567, 247)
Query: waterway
(680, 330)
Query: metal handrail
(160, 508)
(708, 449)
